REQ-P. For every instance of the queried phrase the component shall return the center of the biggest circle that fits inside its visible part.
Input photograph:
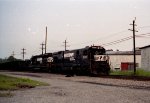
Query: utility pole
(65, 44)
(13, 54)
(46, 40)
(23, 52)
(42, 47)
(134, 52)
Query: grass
(139, 72)
(143, 73)
(14, 83)
(8, 83)
(127, 73)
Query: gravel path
(79, 89)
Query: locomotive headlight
(85, 57)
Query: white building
(123, 60)
(145, 58)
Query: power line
(125, 39)
(117, 41)
(147, 37)
(102, 38)
(144, 26)
(108, 36)
(147, 34)
(113, 34)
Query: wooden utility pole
(13, 54)
(42, 47)
(23, 52)
(134, 51)
(46, 40)
(65, 44)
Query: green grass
(127, 73)
(139, 72)
(14, 83)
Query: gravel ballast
(79, 89)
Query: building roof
(145, 47)
(122, 52)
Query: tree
(11, 58)
(3, 60)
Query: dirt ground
(79, 89)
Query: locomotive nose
(101, 58)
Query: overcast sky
(81, 22)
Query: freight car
(88, 60)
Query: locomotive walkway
(79, 89)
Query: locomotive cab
(99, 62)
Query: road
(79, 89)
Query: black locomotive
(88, 60)
(40, 62)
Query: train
(90, 60)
